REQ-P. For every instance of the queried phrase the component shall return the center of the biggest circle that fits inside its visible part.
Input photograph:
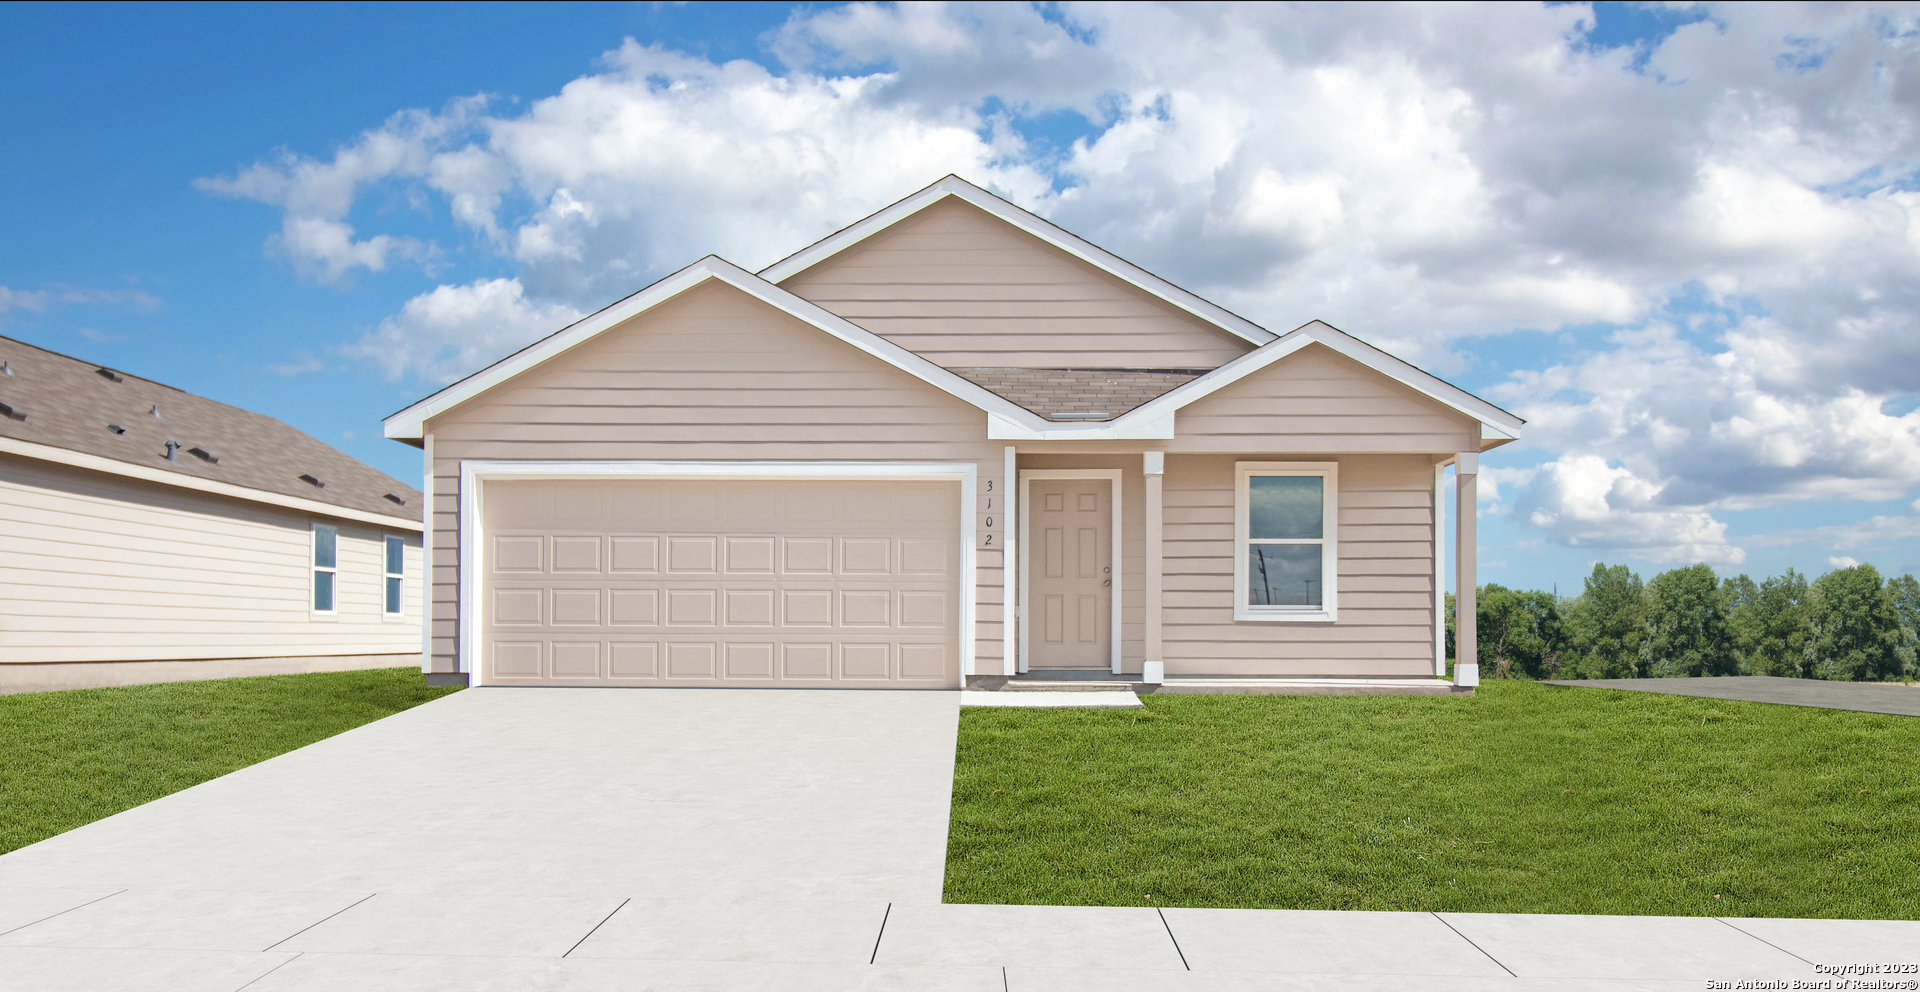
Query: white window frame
(1329, 557)
(386, 576)
(314, 568)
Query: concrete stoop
(1101, 681)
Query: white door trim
(474, 473)
(1021, 550)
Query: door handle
(1107, 583)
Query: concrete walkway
(1864, 697)
(529, 839)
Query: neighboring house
(151, 535)
(836, 472)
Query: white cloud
(1428, 176)
(304, 362)
(1842, 561)
(453, 330)
(40, 300)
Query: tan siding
(964, 288)
(98, 568)
(713, 375)
(1385, 567)
(1317, 401)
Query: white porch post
(1154, 669)
(1466, 511)
(1009, 566)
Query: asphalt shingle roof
(54, 399)
(1053, 392)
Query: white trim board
(1031, 223)
(111, 466)
(1113, 476)
(410, 423)
(474, 473)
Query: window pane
(396, 556)
(1283, 574)
(324, 538)
(1285, 506)
(323, 590)
(393, 595)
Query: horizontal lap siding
(1385, 569)
(1319, 401)
(964, 288)
(97, 568)
(714, 375)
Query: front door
(1070, 576)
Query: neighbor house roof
(60, 408)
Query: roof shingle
(61, 401)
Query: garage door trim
(474, 474)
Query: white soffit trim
(1495, 422)
(1158, 428)
(411, 422)
(1029, 222)
(110, 466)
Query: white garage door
(842, 584)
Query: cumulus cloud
(1732, 206)
(453, 330)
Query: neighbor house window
(1284, 553)
(326, 565)
(396, 572)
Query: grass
(74, 757)
(1523, 799)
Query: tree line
(1847, 625)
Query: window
(1284, 550)
(396, 572)
(326, 546)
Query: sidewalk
(137, 940)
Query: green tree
(1772, 625)
(1520, 633)
(1905, 593)
(1607, 624)
(1687, 625)
(1857, 634)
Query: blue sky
(1677, 239)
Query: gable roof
(1031, 223)
(1015, 407)
(410, 422)
(1496, 423)
(61, 408)
(1058, 394)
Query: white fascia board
(1031, 223)
(1122, 429)
(1409, 375)
(411, 422)
(1495, 422)
(128, 470)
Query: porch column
(1154, 464)
(1009, 564)
(1466, 511)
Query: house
(840, 470)
(151, 535)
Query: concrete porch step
(1311, 686)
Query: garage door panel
(635, 554)
(633, 660)
(801, 583)
(639, 607)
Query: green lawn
(1523, 799)
(69, 758)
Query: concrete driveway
(507, 821)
